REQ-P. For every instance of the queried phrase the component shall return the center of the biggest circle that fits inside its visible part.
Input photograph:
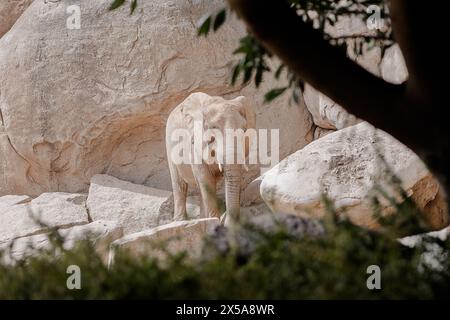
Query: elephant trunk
(232, 174)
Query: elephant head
(220, 118)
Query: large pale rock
(321, 132)
(251, 195)
(99, 233)
(179, 236)
(8, 201)
(247, 239)
(435, 256)
(255, 210)
(346, 166)
(325, 112)
(75, 103)
(135, 207)
(10, 11)
(62, 210)
(393, 66)
(414, 240)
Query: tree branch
(323, 66)
(419, 34)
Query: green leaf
(279, 71)
(259, 76)
(301, 84)
(242, 49)
(133, 6)
(248, 72)
(116, 4)
(296, 95)
(274, 93)
(204, 28)
(220, 19)
(236, 72)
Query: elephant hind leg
(180, 189)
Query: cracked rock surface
(10, 11)
(347, 166)
(23, 219)
(75, 103)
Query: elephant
(197, 114)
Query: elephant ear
(247, 111)
(192, 109)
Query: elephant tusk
(220, 166)
(245, 167)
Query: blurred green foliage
(331, 266)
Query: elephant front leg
(180, 189)
(207, 184)
(179, 199)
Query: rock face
(10, 11)
(48, 210)
(346, 166)
(321, 132)
(8, 201)
(75, 103)
(181, 236)
(99, 233)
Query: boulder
(325, 112)
(393, 66)
(50, 210)
(99, 233)
(10, 11)
(79, 102)
(179, 236)
(346, 166)
(247, 239)
(250, 195)
(414, 240)
(434, 255)
(12, 200)
(321, 132)
(135, 207)
(255, 210)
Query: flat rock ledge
(172, 238)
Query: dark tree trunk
(413, 112)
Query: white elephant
(205, 163)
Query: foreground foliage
(332, 266)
